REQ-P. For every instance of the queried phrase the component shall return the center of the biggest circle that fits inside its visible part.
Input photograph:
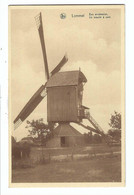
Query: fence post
(72, 156)
(49, 157)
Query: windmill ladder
(96, 129)
(94, 123)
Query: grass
(97, 169)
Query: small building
(64, 135)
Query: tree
(97, 138)
(115, 123)
(115, 120)
(115, 134)
(39, 129)
(88, 138)
(13, 140)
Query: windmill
(64, 91)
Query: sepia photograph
(66, 95)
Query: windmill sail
(41, 92)
(30, 106)
(38, 20)
(59, 66)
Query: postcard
(66, 96)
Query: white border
(128, 190)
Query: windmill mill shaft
(64, 91)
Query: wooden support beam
(90, 128)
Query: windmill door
(64, 141)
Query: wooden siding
(62, 104)
(70, 141)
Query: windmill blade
(30, 106)
(59, 66)
(38, 20)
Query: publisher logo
(62, 15)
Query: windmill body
(64, 97)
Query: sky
(93, 45)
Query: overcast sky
(94, 45)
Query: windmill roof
(66, 78)
(66, 130)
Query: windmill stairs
(97, 129)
